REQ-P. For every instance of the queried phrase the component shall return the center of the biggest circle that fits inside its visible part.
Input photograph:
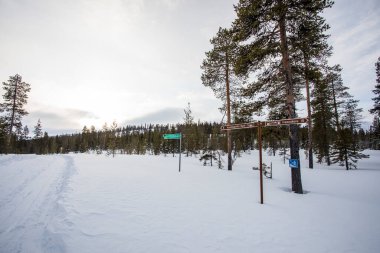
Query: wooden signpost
(259, 125)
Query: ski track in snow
(32, 212)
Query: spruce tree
(38, 130)
(352, 115)
(188, 138)
(376, 99)
(112, 139)
(84, 143)
(375, 128)
(3, 135)
(322, 119)
(25, 133)
(346, 149)
(375, 133)
(37, 138)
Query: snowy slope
(95, 203)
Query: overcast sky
(138, 61)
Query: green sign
(172, 136)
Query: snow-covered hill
(94, 203)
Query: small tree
(189, 121)
(84, 140)
(25, 133)
(38, 130)
(37, 138)
(346, 149)
(112, 139)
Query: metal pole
(180, 141)
(261, 165)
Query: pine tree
(218, 74)
(15, 98)
(45, 143)
(103, 138)
(352, 115)
(375, 133)
(3, 134)
(338, 91)
(84, 143)
(264, 29)
(188, 138)
(311, 41)
(346, 149)
(37, 138)
(25, 133)
(376, 106)
(112, 139)
(322, 119)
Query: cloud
(57, 120)
(355, 36)
(163, 116)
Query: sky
(138, 61)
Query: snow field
(95, 203)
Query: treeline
(198, 138)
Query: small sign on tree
(293, 163)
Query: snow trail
(32, 214)
(94, 203)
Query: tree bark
(13, 106)
(290, 102)
(346, 158)
(335, 107)
(326, 146)
(309, 125)
(229, 139)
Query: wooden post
(259, 124)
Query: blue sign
(293, 163)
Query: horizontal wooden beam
(280, 122)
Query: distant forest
(198, 138)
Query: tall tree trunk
(346, 158)
(310, 134)
(13, 107)
(229, 139)
(290, 103)
(326, 149)
(8, 139)
(336, 115)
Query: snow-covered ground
(94, 203)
